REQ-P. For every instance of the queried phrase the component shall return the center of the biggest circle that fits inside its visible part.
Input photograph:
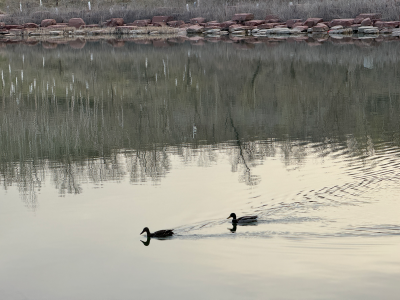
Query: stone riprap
(240, 24)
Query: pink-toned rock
(141, 23)
(271, 17)
(159, 24)
(372, 16)
(197, 20)
(164, 19)
(254, 22)
(195, 29)
(267, 25)
(272, 21)
(391, 24)
(366, 22)
(115, 22)
(47, 22)
(301, 28)
(31, 25)
(76, 22)
(225, 25)
(9, 27)
(310, 22)
(297, 24)
(175, 23)
(343, 22)
(213, 23)
(243, 17)
(212, 27)
(292, 22)
(359, 20)
(320, 27)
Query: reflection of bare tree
(245, 158)
(28, 175)
(66, 120)
(147, 164)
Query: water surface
(99, 142)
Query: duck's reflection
(147, 242)
(233, 229)
(235, 225)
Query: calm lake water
(99, 140)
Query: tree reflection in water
(67, 120)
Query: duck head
(232, 215)
(146, 230)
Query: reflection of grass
(73, 110)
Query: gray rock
(368, 30)
(279, 31)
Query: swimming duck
(160, 233)
(245, 219)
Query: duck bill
(229, 217)
(142, 232)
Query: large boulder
(9, 27)
(76, 22)
(299, 29)
(225, 25)
(366, 22)
(368, 30)
(47, 22)
(31, 25)
(310, 22)
(290, 23)
(390, 24)
(267, 25)
(195, 29)
(320, 27)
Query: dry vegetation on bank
(62, 10)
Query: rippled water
(99, 142)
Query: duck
(245, 219)
(159, 233)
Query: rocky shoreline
(241, 25)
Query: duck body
(244, 219)
(159, 233)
